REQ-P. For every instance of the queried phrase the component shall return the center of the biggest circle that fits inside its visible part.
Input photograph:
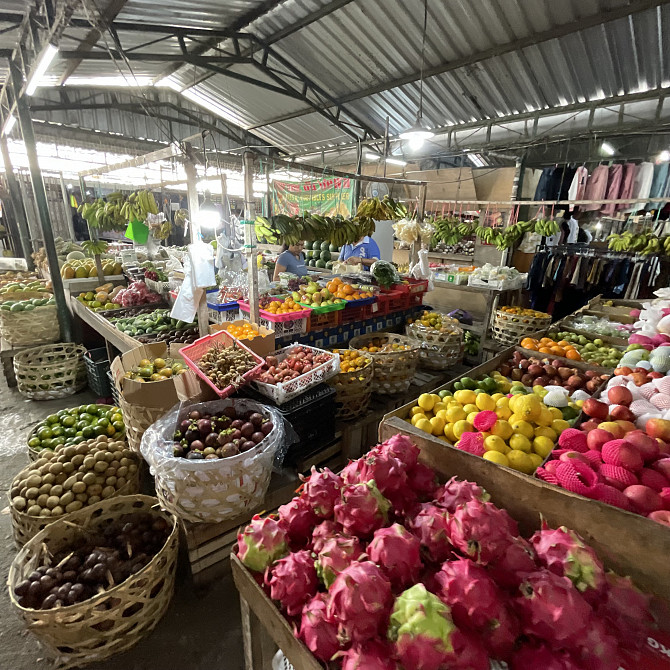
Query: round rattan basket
(115, 619)
(393, 370)
(440, 349)
(26, 526)
(137, 418)
(51, 371)
(353, 389)
(37, 326)
(508, 328)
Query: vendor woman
(291, 259)
(365, 251)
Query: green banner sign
(328, 197)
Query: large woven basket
(440, 349)
(38, 326)
(353, 390)
(393, 370)
(510, 328)
(137, 418)
(25, 526)
(114, 620)
(51, 371)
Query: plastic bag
(214, 490)
(421, 269)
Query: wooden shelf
(102, 326)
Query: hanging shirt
(629, 172)
(596, 188)
(574, 231)
(614, 179)
(367, 248)
(642, 186)
(544, 186)
(578, 185)
(293, 264)
(658, 186)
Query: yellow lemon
(470, 408)
(424, 425)
(436, 398)
(504, 413)
(438, 425)
(559, 425)
(426, 401)
(461, 427)
(417, 417)
(545, 418)
(501, 402)
(528, 407)
(495, 443)
(556, 413)
(471, 417)
(579, 403)
(522, 427)
(502, 429)
(443, 438)
(499, 396)
(537, 460)
(449, 432)
(542, 446)
(496, 457)
(485, 402)
(465, 397)
(455, 414)
(545, 431)
(520, 443)
(442, 414)
(521, 461)
(438, 407)
(416, 410)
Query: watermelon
(325, 256)
(324, 246)
(329, 265)
(334, 248)
(321, 264)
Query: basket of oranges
(283, 315)
(394, 357)
(350, 292)
(440, 339)
(353, 384)
(512, 323)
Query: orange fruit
(546, 340)
(528, 342)
(573, 355)
(544, 350)
(559, 351)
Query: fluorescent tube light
(664, 156)
(607, 149)
(395, 161)
(45, 59)
(9, 125)
(372, 157)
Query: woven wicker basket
(25, 526)
(440, 349)
(137, 418)
(51, 371)
(353, 389)
(510, 328)
(38, 326)
(393, 370)
(114, 620)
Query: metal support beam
(250, 240)
(67, 208)
(26, 124)
(17, 205)
(115, 54)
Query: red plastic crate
(323, 321)
(353, 312)
(194, 352)
(415, 299)
(397, 300)
(418, 285)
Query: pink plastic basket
(194, 352)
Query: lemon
(537, 460)
(437, 424)
(556, 413)
(520, 443)
(579, 403)
(449, 432)
(470, 408)
(496, 457)
(417, 417)
(528, 407)
(424, 425)
(502, 429)
(461, 427)
(471, 417)
(542, 446)
(465, 397)
(501, 402)
(499, 396)
(415, 410)
(426, 401)
(504, 413)
(522, 427)
(442, 414)
(495, 443)
(559, 425)
(545, 431)
(455, 414)
(485, 402)
(443, 438)
(436, 397)
(545, 417)
(438, 407)
(521, 461)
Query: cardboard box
(263, 345)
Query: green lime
(34, 442)
(56, 442)
(110, 430)
(78, 439)
(44, 433)
(57, 431)
(89, 432)
(116, 417)
(79, 433)
(103, 422)
(62, 412)
(118, 425)
(80, 425)
(92, 409)
(68, 421)
(100, 430)
(47, 444)
(53, 418)
(70, 432)
(89, 418)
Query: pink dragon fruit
(564, 553)
(298, 518)
(371, 655)
(321, 490)
(324, 531)
(422, 630)
(468, 653)
(261, 543)
(626, 611)
(398, 553)
(431, 526)
(482, 531)
(388, 473)
(552, 609)
(518, 560)
(362, 509)
(360, 600)
(400, 447)
(292, 581)
(317, 630)
(597, 649)
(337, 554)
(457, 492)
(501, 636)
(537, 655)
(422, 480)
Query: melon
(75, 256)
(325, 256)
(324, 246)
(334, 248)
(321, 264)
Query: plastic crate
(322, 321)
(194, 352)
(221, 312)
(354, 311)
(112, 387)
(97, 367)
(284, 325)
(397, 300)
(284, 391)
(418, 285)
(415, 299)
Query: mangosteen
(178, 451)
(191, 435)
(229, 450)
(230, 412)
(197, 445)
(195, 456)
(257, 437)
(257, 419)
(247, 429)
(185, 425)
(247, 445)
(194, 415)
(236, 434)
(211, 440)
(205, 427)
(211, 457)
(209, 450)
(221, 423)
(237, 424)
(267, 427)
(183, 442)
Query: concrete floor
(201, 631)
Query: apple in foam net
(595, 409)
(597, 437)
(647, 446)
(661, 516)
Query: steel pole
(68, 207)
(17, 205)
(26, 124)
(250, 235)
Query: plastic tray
(276, 318)
(192, 354)
(282, 392)
(324, 309)
(361, 301)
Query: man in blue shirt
(365, 251)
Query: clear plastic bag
(214, 490)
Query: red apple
(620, 395)
(621, 412)
(661, 516)
(658, 428)
(656, 375)
(647, 446)
(590, 425)
(662, 465)
(643, 499)
(663, 448)
(573, 455)
(594, 408)
(597, 437)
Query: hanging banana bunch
(385, 209)
(139, 205)
(546, 228)
(180, 217)
(641, 243)
(105, 215)
(94, 247)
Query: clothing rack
(584, 250)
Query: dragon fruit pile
(381, 569)
(137, 293)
